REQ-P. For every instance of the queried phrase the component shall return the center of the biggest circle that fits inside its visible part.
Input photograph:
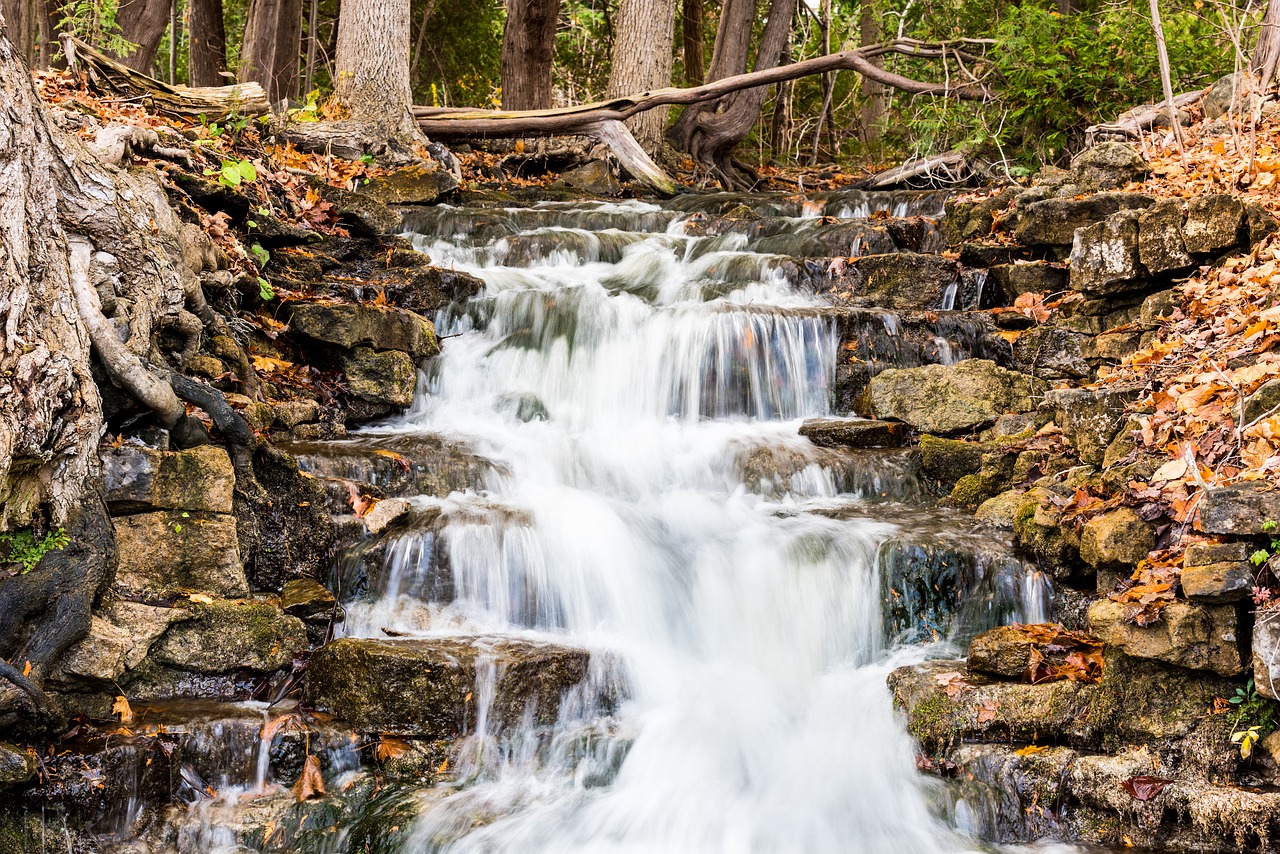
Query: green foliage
(265, 292)
(1255, 717)
(260, 255)
(233, 173)
(94, 22)
(23, 548)
(1264, 556)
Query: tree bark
(143, 22)
(207, 56)
(21, 17)
(372, 65)
(528, 51)
(692, 26)
(272, 47)
(642, 61)
(1266, 56)
(873, 93)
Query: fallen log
(1139, 119)
(948, 168)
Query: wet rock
(1040, 277)
(851, 433)
(222, 637)
(1052, 353)
(1240, 509)
(1226, 95)
(306, 597)
(1266, 653)
(1089, 418)
(120, 636)
(901, 280)
(1197, 637)
(523, 407)
(1213, 223)
(349, 326)
(138, 479)
(1161, 248)
(1053, 222)
(1218, 583)
(428, 289)
(949, 398)
(1116, 538)
(1105, 257)
(412, 185)
(387, 377)
(1037, 524)
(1002, 652)
(948, 460)
(595, 178)
(358, 213)
(384, 513)
(1000, 511)
(284, 532)
(17, 765)
(1108, 165)
(428, 688)
(170, 552)
(291, 413)
(1263, 401)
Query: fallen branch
(1142, 118)
(949, 168)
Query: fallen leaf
(391, 748)
(987, 711)
(1144, 788)
(310, 782)
(122, 708)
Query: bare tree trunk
(642, 61)
(728, 59)
(207, 54)
(528, 51)
(1166, 74)
(873, 93)
(272, 47)
(828, 84)
(143, 22)
(780, 127)
(23, 28)
(372, 78)
(1266, 56)
(692, 25)
(175, 38)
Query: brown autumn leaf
(122, 708)
(391, 748)
(1144, 788)
(987, 711)
(952, 683)
(310, 782)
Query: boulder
(1000, 511)
(1108, 165)
(412, 185)
(1218, 583)
(1053, 222)
(170, 552)
(427, 289)
(1090, 418)
(1264, 400)
(428, 688)
(1190, 635)
(854, 433)
(17, 766)
(120, 636)
(901, 280)
(1041, 277)
(1104, 256)
(1227, 94)
(306, 597)
(1161, 248)
(1266, 653)
(350, 325)
(138, 479)
(595, 178)
(1206, 554)
(1260, 222)
(358, 213)
(290, 413)
(386, 377)
(1052, 353)
(948, 460)
(1117, 538)
(1214, 223)
(224, 637)
(950, 398)
(1240, 509)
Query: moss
(932, 723)
(949, 460)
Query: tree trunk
(372, 66)
(207, 56)
(21, 17)
(1266, 56)
(272, 47)
(143, 22)
(873, 93)
(692, 26)
(642, 61)
(528, 51)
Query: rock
(1157, 307)
(595, 178)
(999, 512)
(137, 479)
(224, 637)
(900, 280)
(1104, 256)
(1266, 653)
(428, 289)
(1264, 400)
(1205, 554)
(1108, 165)
(384, 513)
(412, 185)
(854, 433)
(306, 597)
(1213, 223)
(285, 532)
(361, 215)
(388, 377)
(427, 688)
(291, 413)
(1037, 525)
(17, 765)
(1089, 418)
(120, 636)
(1227, 94)
(523, 407)
(1197, 637)
(948, 460)
(950, 398)
(1218, 583)
(1002, 652)
(1114, 346)
(1053, 222)
(1160, 245)
(349, 326)
(170, 552)
(1052, 353)
(1240, 509)
(1040, 277)
(967, 220)
(1117, 538)
(1260, 223)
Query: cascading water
(737, 700)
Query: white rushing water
(623, 400)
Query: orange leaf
(310, 782)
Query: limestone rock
(169, 552)
(1105, 257)
(1227, 94)
(427, 688)
(1205, 554)
(388, 377)
(1037, 525)
(854, 433)
(412, 185)
(306, 597)
(1161, 248)
(350, 325)
(1266, 653)
(1213, 223)
(1041, 277)
(948, 460)
(223, 637)
(291, 413)
(1116, 538)
(1089, 418)
(427, 289)
(1218, 583)
(595, 177)
(384, 513)
(1001, 651)
(950, 398)
(1197, 637)
(120, 636)
(1000, 511)
(902, 280)
(1240, 509)
(17, 765)
(1264, 400)
(1114, 346)
(200, 479)
(1260, 222)
(1108, 165)
(1052, 353)
(1053, 222)
(1156, 307)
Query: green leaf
(230, 174)
(261, 255)
(247, 172)
(1259, 557)
(265, 291)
